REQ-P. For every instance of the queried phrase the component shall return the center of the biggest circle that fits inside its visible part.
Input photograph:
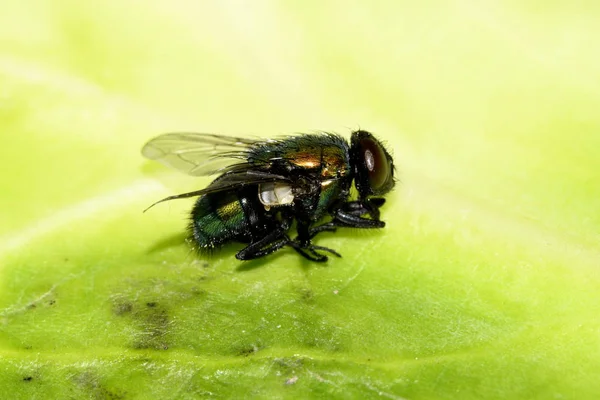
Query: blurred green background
(484, 284)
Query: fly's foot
(327, 227)
(310, 251)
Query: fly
(264, 186)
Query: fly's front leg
(350, 213)
(362, 207)
(344, 219)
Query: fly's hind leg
(270, 243)
(265, 246)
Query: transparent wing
(197, 154)
(233, 180)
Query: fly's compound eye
(377, 164)
(374, 167)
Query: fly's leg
(350, 215)
(310, 252)
(270, 243)
(274, 236)
(302, 244)
(326, 227)
(262, 247)
(362, 207)
(252, 252)
(344, 219)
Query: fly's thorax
(326, 155)
(327, 161)
(312, 198)
(335, 163)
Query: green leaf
(484, 283)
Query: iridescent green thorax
(326, 154)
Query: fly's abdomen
(218, 218)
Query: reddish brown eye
(373, 165)
(377, 163)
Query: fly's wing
(239, 177)
(197, 154)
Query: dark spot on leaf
(51, 302)
(289, 363)
(31, 305)
(149, 322)
(28, 378)
(202, 278)
(153, 323)
(197, 291)
(248, 350)
(307, 295)
(94, 388)
(122, 307)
